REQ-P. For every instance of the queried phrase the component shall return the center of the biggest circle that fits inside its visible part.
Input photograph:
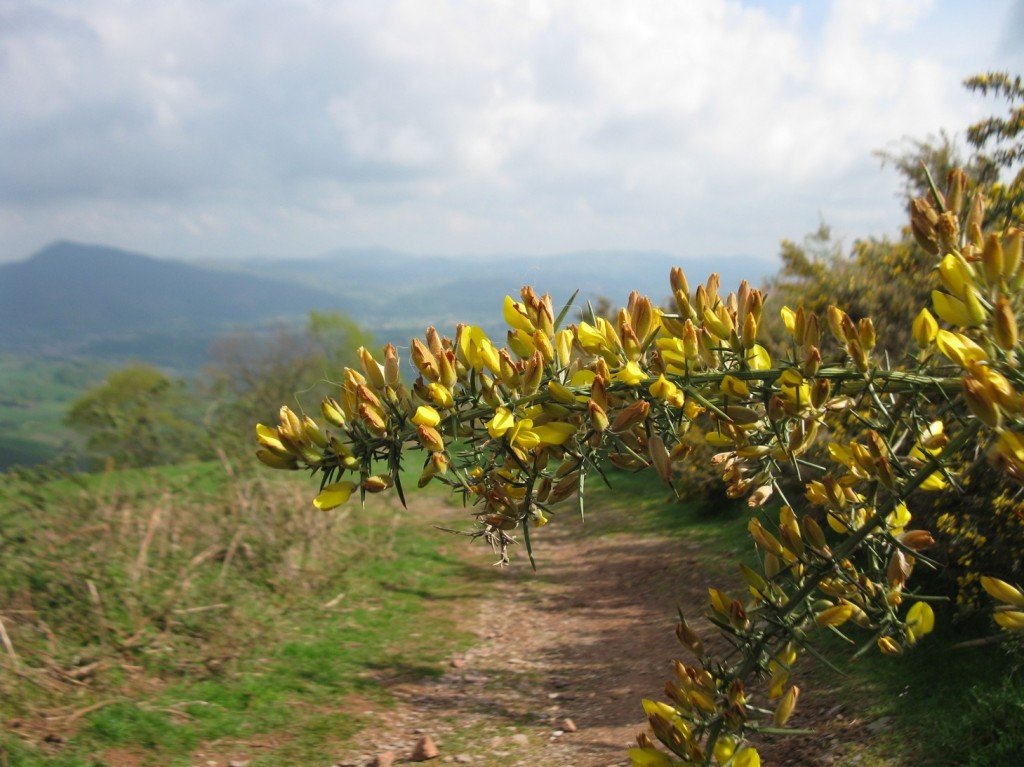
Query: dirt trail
(582, 639)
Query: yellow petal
(747, 757)
(924, 329)
(630, 374)
(426, 416)
(502, 421)
(951, 309)
(959, 348)
(758, 358)
(516, 317)
(334, 495)
(920, 620)
(1011, 619)
(1002, 591)
(649, 757)
(788, 319)
(554, 433)
(735, 387)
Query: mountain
(70, 296)
(395, 289)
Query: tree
(139, 416)
(255, 372)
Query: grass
(199, 651)
(222, 610)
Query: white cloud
(706, 126)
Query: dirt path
(563, 659)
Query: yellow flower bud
(377, 483)
(543, 344)
(1012, 244)
(956, 274)
(889, 646)
(689, 639)
(630, 416)
(1004, 325)
(374, 372)
(660, 458)
(924, 329)
(992, 259)
(563, 346)
(866, 333)
(313, 433)
(786, 705)
(277, 461)
(424, 360)
(980, 402)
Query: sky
(233, 128)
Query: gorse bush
(827, 439)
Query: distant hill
(396, 290)
(71, 298)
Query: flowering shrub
(519, 427)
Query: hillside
(69, 295)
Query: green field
(34, 395)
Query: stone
(569, 725)
(425, 749)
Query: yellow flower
(735, 387)
(959, 348)
(334, 495)
(516, 316)
(426, 416)
(554, 433)
(898, 519)
(758, 358)
(502, 421)
(522, 435)
(478, 350)
(441, 395)
(593, 339)
(920, 620)
(952, 310)
(631, 374)
(956, 275)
